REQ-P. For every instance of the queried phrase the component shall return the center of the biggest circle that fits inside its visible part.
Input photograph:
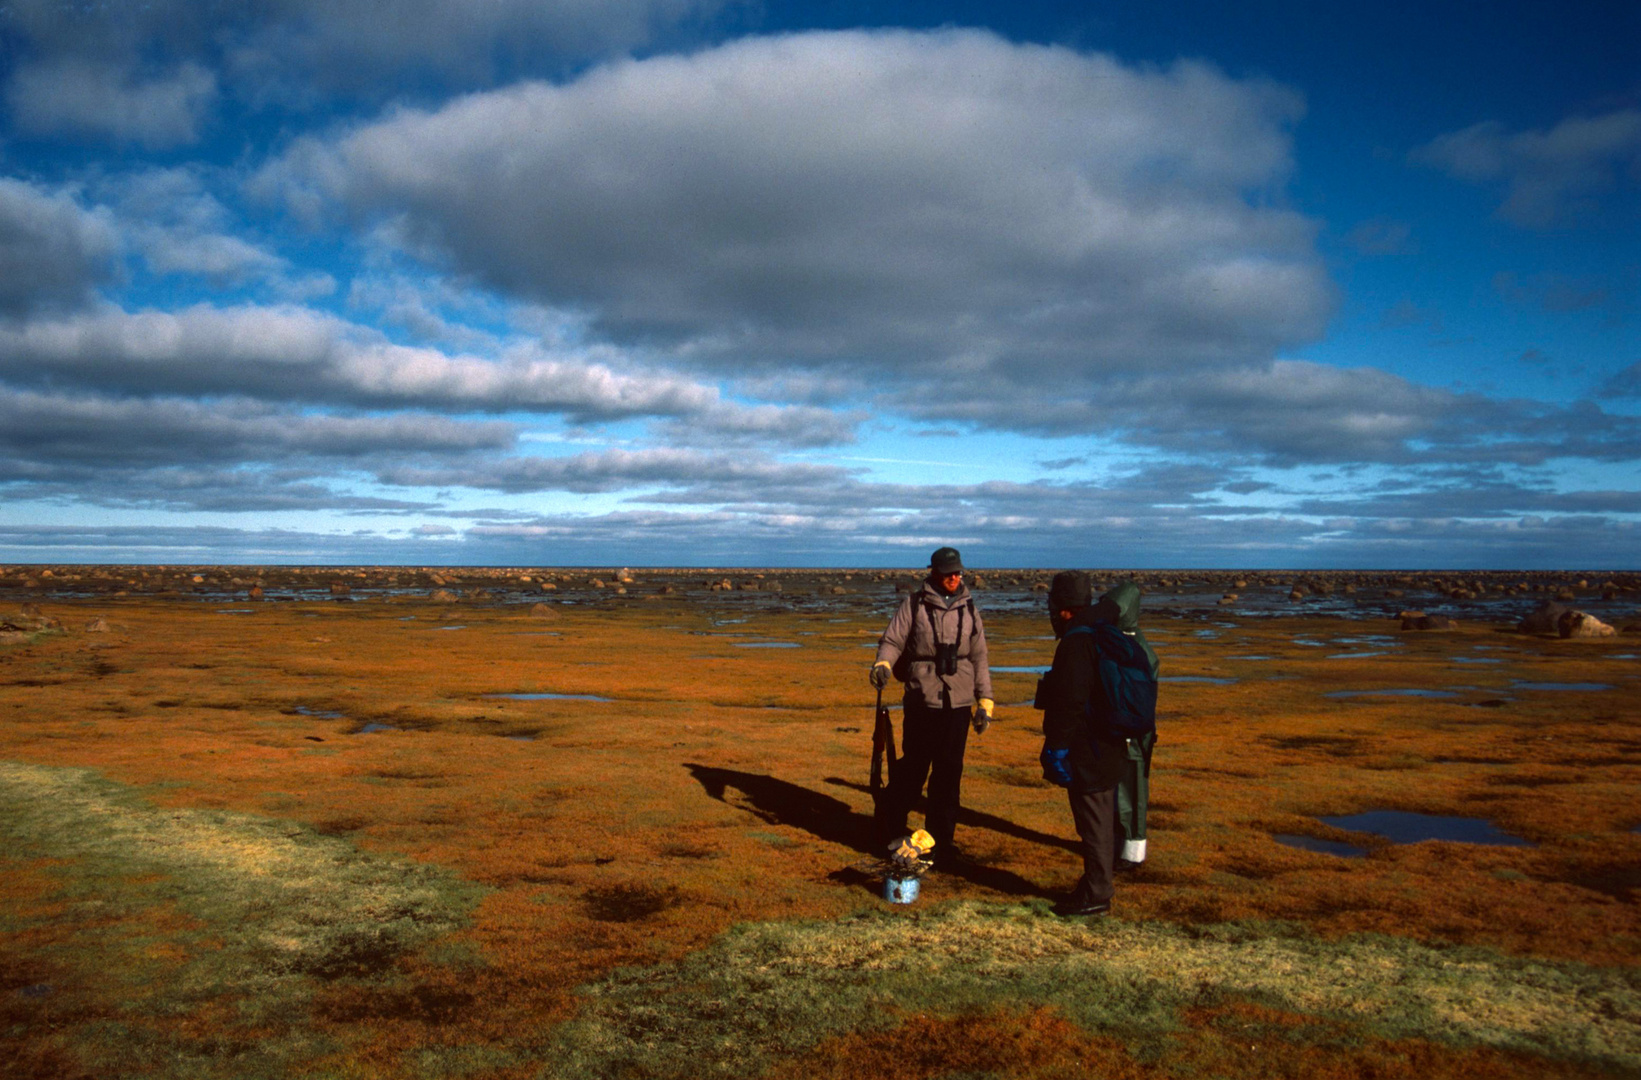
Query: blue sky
(711, 283)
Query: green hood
(1126, 597)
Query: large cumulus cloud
(893, 206)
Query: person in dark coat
(1095, 761)
(936, 644)
(1134, 788)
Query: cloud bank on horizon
(679, 282)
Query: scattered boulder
(1578, 624)
(1418, 620)
(442, 596)
(97, 626)
(337, 588)
(255, 593)
(20, 629)
(1228, 598)
(1545, 620)
(29, 621)
(543, 611)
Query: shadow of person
(779, 802)
(977, 819)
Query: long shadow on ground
(976, 819)
(780, 802)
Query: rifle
(883, 745)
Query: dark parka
(1097, 761)
(928, 615)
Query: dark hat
(1069, 591)
(945, 560)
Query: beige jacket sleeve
(898, 633)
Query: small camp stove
(908, 861)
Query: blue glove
(1056, 765)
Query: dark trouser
(932, 745)
(1133, 795)
(1095, 815)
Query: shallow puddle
(1210, 680)
(1399, 692)
(1518, 685)
(303, 710)
(550, 697)
(369, 729)
(1404, 827)
(1249, 658)
(1018, 670)
(1477, 660)
(1326, 847)
(1354, 655)
(768, 645)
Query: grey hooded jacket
(927, 616)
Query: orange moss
(722, 784)
(1239, 1041)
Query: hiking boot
(1073, 907)
(1080, 901)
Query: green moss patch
(166, 935)
(772, 990)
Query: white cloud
(889, 205)
(85, 96)
(86, 70)
(613, 470)
(52, 250)
(293, 354)
(1551, 177)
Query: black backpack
(1127, 705)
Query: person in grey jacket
(936, 645)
